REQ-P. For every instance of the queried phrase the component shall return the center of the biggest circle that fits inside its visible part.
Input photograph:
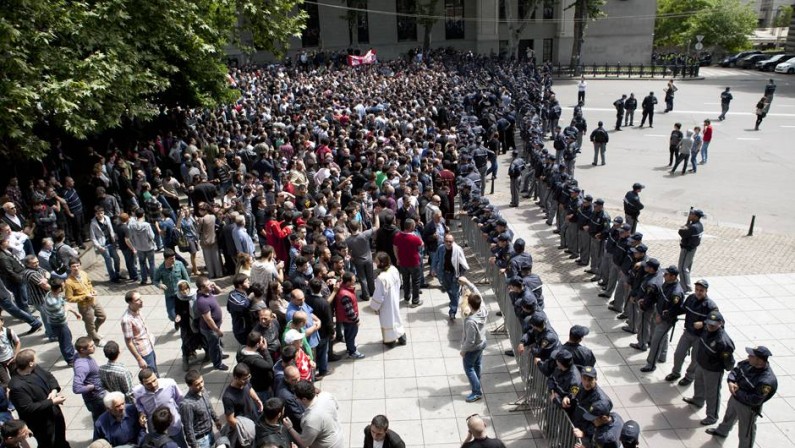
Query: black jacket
(29, 394)
(322, 309)
(392, 439)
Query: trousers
(599, 149)
(687, 343)
(644, 327)
(93, 317)
(658, 349)
(747, 417)
(597, 250)
(706, 389)
(685, 264)
(584, 245)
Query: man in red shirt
(707, 138)
(406, 245)
(347, 310)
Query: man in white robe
(386, 301)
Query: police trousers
(658, 349)
(622, 289)
(685, 264)
(706, 389)
(584, 245)
(645, 324)
(597, 250)
(572, 237)
(738, 411)
(687, 343)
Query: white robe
(386, 302)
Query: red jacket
(347, 307)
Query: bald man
(476, 437)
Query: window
(502, 10)
(454, 19)
(310, 37)
(547, 50)
(362, 22)
(406, 24)
(549, 9)
(523, 10)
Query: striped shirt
(134, 328)
(73, 200)
(116, 378)
(54, 309)
(199, 416)
(34, 278)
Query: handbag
(182, 240)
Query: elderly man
(121, 424)
(298, 303)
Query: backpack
(481, 158)
(155, 441)
(56, 263)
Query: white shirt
(581, 86)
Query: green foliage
(723, 23)
(83, 66)
(784, 17)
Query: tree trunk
(426, 41)
(580, 22)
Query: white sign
(698, 46)
(700, 37)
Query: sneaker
(416, 304)
(672, 377)
(357, 355)
(471, 398)
(223, 367)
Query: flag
(368, 58)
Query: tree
(517, 23)
(723, 23)
(79, 67)
(584, 10)
(351, 16)
(427, 17)
(783, 17)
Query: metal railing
(627, 71)
(553, 421)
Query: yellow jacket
(78, 291)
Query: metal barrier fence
(628, 71)
(553, 421)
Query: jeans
(20, 291)
(629, 118)
(350, 330)
(412, 277)
(131, 263)
(364, 273)
(213, 347)
(599, 149)
(704, 147)
(171, 307)
(151, 362)
(453, 290)
(8, 305)
(47, 328)
(207, 441)
(112, 262)
(322, 355)
(693, 161)
(64, 335)
(472, 363)
(146, 259)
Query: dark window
(406, 24)
(547, 50)
(549, 9)
(454, 19)
(363, 23)
(502, 10)
(310, 37)
(523, 9)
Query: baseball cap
(759, 351)
(638, 186)
(502, 222)
(714, 318)
(637, 236)
(672, 270)
(653, 263)
(292, 336)
(598, 409)
(589, 371)
(698, 212)
(630, 432)
(503, 236)
(619, 220)
(579, 331)
(703, 283)
(564, 357)
(640, 248)
(626, 227)
(519, 243)
(599, 201)
(537, 320)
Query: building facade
(394, 27)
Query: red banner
(368, 58)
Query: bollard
(751, 228)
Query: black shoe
(573, 256)
(647, 369)
(556, 232)
(635, 345)
(612, 308)
(622, 316)
(499, 313)
(225, 356)
(691, 401)
(561, 247)
(402, 340)
(602, 283)
(685, 381)
(590, 271)
(709, 421)
(223, 367)
(334, 358)
(714, 432)
(602, 294)
(595, 278)
(582, 263)
(416, 304)
(593, 164)
(672, 377)
(509, 353)
(34, 328)
(629, 330)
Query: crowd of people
(319, 193)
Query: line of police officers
(651, 299)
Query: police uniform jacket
(612, 240)
(582, 403)
(696, 311)
(609, 435)
(755, 386)
(691, 236)
(546, 342)
(632, 204)
(583, 356)
(600, 222)
(565, 383)
(533, 284)
(650, 291)
(620, 252)
(715, 351)
(518, 259)
(584, 215)
(670, 301)
(573, 208)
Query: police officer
(582, 126)
(570, 155)
(599, 138)
(544, 339)
(630, 105)
(619, 105)
(520, 259)
(583, 356)
(616, 259)
(607, 424)
(648, 109)
(583, 219)
(665, 318)
(696, 308)
(597, 230)
(515, 172)
(501, 252)
(715, 354)
(725, 98)
(633, 206)
(629, 280)
(651, 294)
(564, 383)
(635, 277)
(605, 263)
(691, 234)
(751, 383)
(630, 434)
(568, 230)
(481, 155)
(589, 394)
(559, 143)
